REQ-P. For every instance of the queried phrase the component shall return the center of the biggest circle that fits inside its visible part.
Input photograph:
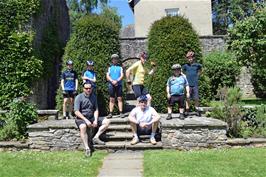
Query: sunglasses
(143, 101)
(88, 88)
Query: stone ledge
(14, 144)
(56, 124)
(244, 142)
(192, 122)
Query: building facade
(147, 11)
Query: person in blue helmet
(114, 76)
(144, 120)
(69, 85)
(90, 75)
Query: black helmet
(90, 63)
(69, 62)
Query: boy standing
(69, 84)
(192, 71)
(175, 89)
(114, 77)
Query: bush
(18, 65)
(222, 69)
(168, 42)
(258, 80)
(94, 38)
(16, 120)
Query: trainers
(134, 141)
(186, 114)
(169, 117)
(198, 113)
(182, 117)
(88, 153)
(121, 115)
(98, 141)
(110, 115)
(153, 141)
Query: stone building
(147, 11)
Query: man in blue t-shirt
(90, 75)
(69, 84)
(192, 71)
(175, 88)
(114, 76)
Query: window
(172, 12)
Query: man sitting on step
(86, 110)
(143, 120)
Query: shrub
(94, 38)
(20, 115)
(258, 80)
(222, 69)
(168, 41)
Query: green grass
(49, 164)
(244, 162)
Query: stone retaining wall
(193, 133)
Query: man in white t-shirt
(143, 120)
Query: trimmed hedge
(94, 38)
(222, 69)
(168, 42)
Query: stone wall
(194, 133)
(52, 12)
(244, 83)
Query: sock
(152, 135)
(64, 114)
(136, 135)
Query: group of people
(143, 118)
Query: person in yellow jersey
(138, 71)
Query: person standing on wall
(69, 85)
(90, 75)
(138, 71)
(192, 70)
(114, 76)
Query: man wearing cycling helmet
(192, 71)
(143, 120)
(89, 74)
(138, 71)
(175, 89)
(114, 76)
(69, 85)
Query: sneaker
(186, 114)
(121, 115)
(98, 141)
(153, 141)
(182, 117)
(169, 117)
(198, 113)
(134, 141)
(110, 115)
(70, 116)
(88, 153)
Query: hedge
(94, 38)
(168, 42)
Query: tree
(226, 13)
(84, 6)
(248, 40)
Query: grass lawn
(244, 162)
(50, 164)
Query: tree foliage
(18, 65)
(168, 41)
(248, 40)
(226, 13)
(222, 69)
(84, 6)
(94, 38)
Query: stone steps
(124, 136)
(125, 145)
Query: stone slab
(120, 173)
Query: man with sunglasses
(143, 120)
(87, 116)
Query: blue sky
(123, 10)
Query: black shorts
(176, 99)
(69, 94)
(115, 90)
(144, 131)
(79, 121)
(139, 90)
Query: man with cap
(87, 116)
(114, 77)
(143, 120)
(176, 86)
(89, 74)
(69, 85)
(138, 71)
(192, 71)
